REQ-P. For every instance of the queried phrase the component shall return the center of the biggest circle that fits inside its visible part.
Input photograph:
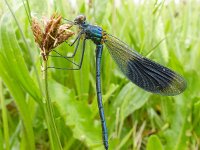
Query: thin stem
(27, 12)
(55, 141)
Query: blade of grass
(1, 139)
(29, 50)
(125, 139)
(55, 141)
(154, 143)
(27, 11)
(4, 117)
(16, 77)
(18, 94)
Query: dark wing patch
(144, 72)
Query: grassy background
(164, 31)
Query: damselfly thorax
(93, 32)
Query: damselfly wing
(144, 72)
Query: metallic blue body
(99, 49)
(95, 33)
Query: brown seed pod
(51, 35)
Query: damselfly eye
(80, 19)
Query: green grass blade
(154, 143)
(4, 118)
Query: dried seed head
(63, 34)
(53, 35)
(50, 34)
(37, 31)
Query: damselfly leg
(67, 57)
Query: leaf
(77, 114)
(10, 73)
(14, 61)
(154, 143)
(129, 99)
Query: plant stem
(54, 138)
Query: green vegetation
(166, 32)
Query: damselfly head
(80, 19)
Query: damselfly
(143, 72)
